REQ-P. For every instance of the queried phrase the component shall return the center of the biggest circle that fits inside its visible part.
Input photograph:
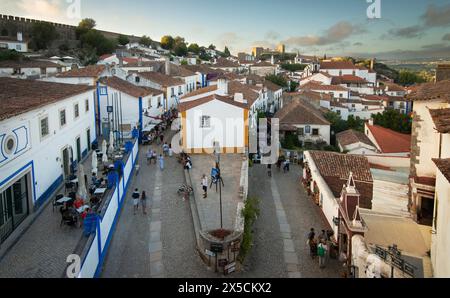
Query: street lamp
(218, 179)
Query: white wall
(44, 152)
(73, 81)
(228, 134)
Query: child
(135, 197)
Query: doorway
(14, 206)
(66, 162)
(88, 137)
(78, 141)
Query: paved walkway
(208, 209)
(43, 248)
(161, 243)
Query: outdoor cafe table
(82, 208)
(99, 191)
(63, 200)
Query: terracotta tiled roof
(201, 68)
(348, 79)
(254, 79)
(272, 86)
(188, 105)
(307, 94)
(337, 65)
(351, 136)
(201, 91)
(394, 87)
(250, 95)
(132, 63)
(427, 91)
(443, 166)
(20, 96)
(390, 141)
(263, 64)
(128, 87)
(335, 168)
(315, 86)
(92, 71)
(160, 78)
(27, 64)
(441, 119)
(374, 97)
(225, 63)
(103, 57)
(300, 112)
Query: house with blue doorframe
(45, 129)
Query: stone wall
(10, 25)
(443, 72)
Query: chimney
(239, 97)
(167, 67)
(372, 64)
(19, 36)
(222, 86)
(371, 121)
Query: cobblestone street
(161, 243)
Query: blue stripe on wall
(46, 195)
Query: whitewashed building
(45, 128)
(29, 69)
(17, 44)
(139, 107)
(219, 119)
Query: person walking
(149, 156)
(144, 202)
(135, 197)
(312, 243)
(205, 186)
(170, 150)
(165, 148)
(322, 252)
(154, 156)
(161, 162)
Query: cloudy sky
(406, 29)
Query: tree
(10, 55)
(227, 52)
(123, 40)
(43, 35)
(180, 49)
(394, 120)
(145, 41)
(84, 26)
(279, 80)
(212, 47)
(406, 78)
(293, 67)
(96, 40)
(194, 48)
(293, 86)
(167, 42)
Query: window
(137, 79)
(44, 127)
(340, 95)
(300, 131)
(179, 90)
(205, 122)
(149, 102)
(338, 112)
(159, 102)
(315, 132)
(76, 111)
(18, 47)
(86, 105)
(307, 129)
(172, 91)
(62, 118)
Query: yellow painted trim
(246, 128)
(223, 150)
(183, 130)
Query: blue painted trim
(84, 153)
(1, 148)
(98, 120)
(10, 177)
(50, 190)
(26, 134)
(114, 224)
(99, 236)
(140, 120)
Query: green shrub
(250, 213)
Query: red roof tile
(92, 71)
(390, 141)
(337, 65)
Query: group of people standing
(319, 247)
(152, 155)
